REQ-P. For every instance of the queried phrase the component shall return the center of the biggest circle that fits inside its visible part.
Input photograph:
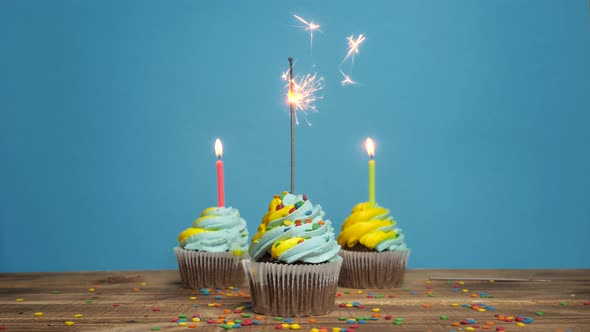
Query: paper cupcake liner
(373, 269)
(209, 269)
(293, 289)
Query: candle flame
(218, 148)
(370, 147)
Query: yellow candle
(372, 182)
(371, 151)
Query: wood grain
(116, 306)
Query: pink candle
(219, 164)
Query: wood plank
(561, 298)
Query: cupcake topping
(218, 229)
(294, 230)
(372, 227)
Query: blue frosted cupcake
(210, 252)
(294, 265)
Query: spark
(353, 47)
(347, 80)
(308, 26)
(305, 94)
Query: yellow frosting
(190, 232)
(271, 215)
(362, 227)
(207, 210)
(203, 217)
(278, 248)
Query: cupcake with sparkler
(294, 264)
(373, 249)
(210, 252)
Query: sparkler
(292, 116)
(353, 47)
(347, 80)
(308, 26)
(301, 95)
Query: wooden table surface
(125, 301)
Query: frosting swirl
(294, 230)
(372, 227)
(218, 229)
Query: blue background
(109, 111)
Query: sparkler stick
(302, 95)
(292, 118)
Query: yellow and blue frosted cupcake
(373, 248)
(294, 264)
(210, 252)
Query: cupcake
(373, 249)
(209, 253)
(294, 264)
